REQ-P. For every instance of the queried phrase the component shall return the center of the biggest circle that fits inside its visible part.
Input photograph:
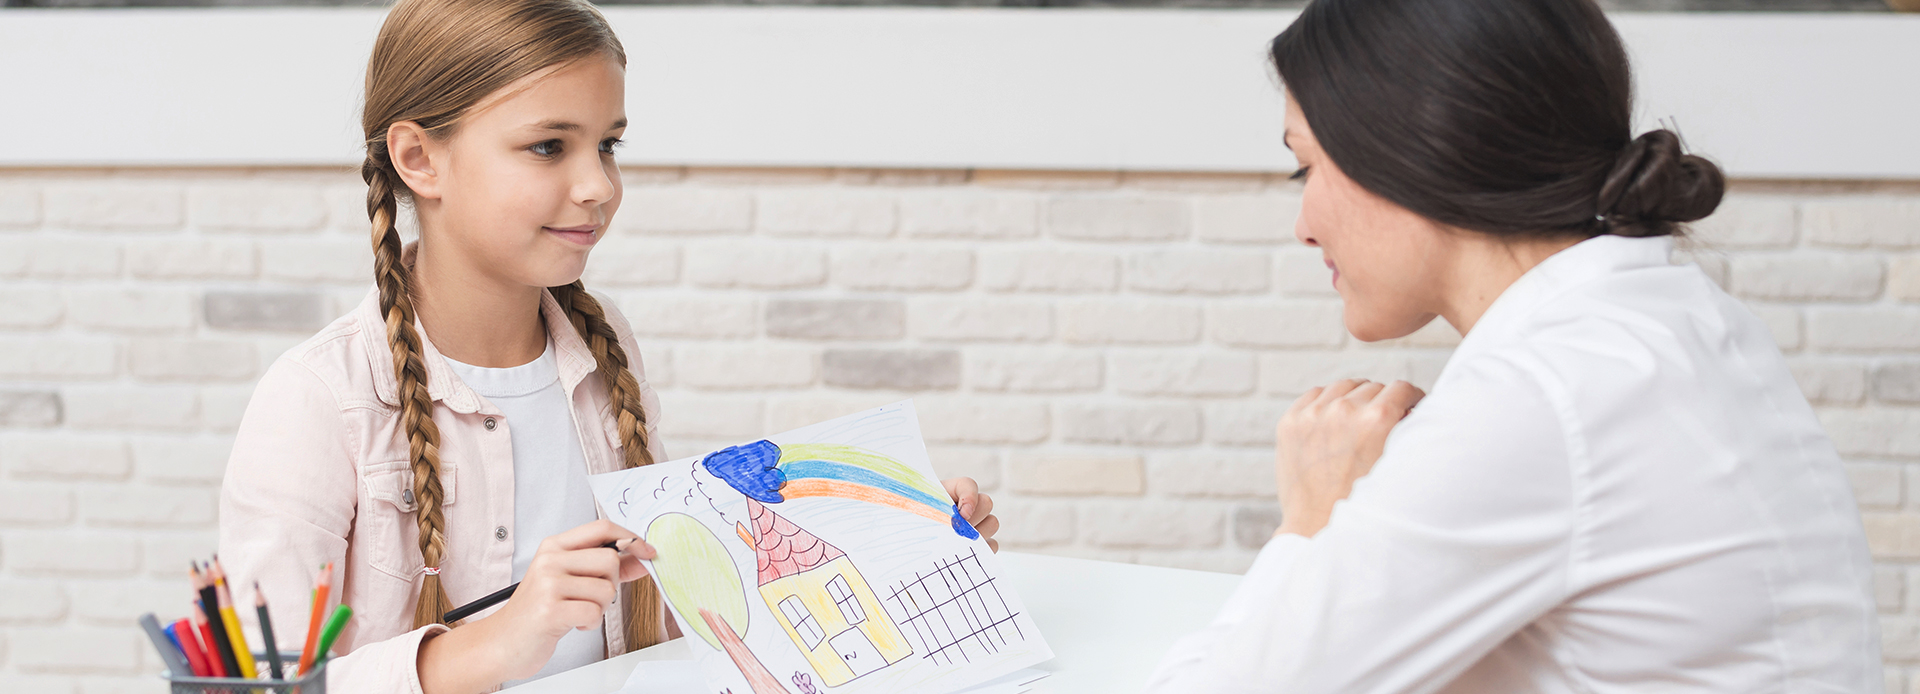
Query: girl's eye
(610, 144)
(1299, 174)
(550, 148)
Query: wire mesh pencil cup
(314, 682)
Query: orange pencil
(320, 587)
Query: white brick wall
(1107, 353)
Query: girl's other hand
(976, 507)
(571, 581)
(1329, 438)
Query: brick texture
(1106, 353)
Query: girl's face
(1385, 259)
(527, 183)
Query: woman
(1615, 485)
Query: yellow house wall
(811, 587)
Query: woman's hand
(1329, 438)
(976, 507)
(569, 584)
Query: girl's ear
(413, 153)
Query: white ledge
(1801, 96)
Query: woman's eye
(611, 144)
(549, 148)
(1299, 174)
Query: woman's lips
(1336, 272)
(581, 235)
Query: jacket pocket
(388, 531)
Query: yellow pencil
(227, 617)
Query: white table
(1108, 623)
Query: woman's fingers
(1339, 389)
(1364, 393)
(1399, 398)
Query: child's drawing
(864, 576)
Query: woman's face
(1385, 259)
(527, 184)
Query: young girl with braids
(435, 442)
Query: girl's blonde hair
(432, 62)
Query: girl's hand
(569, 585)
(1329, 438)
(976, 507)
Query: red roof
(783, 549)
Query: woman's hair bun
(1654, 187)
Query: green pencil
(331, 631)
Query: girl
(436, 471)
(1615, 485)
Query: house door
(857, 651)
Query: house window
(802, 620)
(849, 605)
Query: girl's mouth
(582, 235)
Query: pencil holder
(314, 682)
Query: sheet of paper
(825, 559)
(664, 677)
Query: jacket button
(489, 424)
(500, 533)
(406, 495)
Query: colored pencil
(232, 621)
(335, 623)
(266, 631)
(454, 615)
(210, 609)
(170, 652)
(190, 644)
(215, 664)
(320, 587)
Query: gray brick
(836, 319)
(19, 207)
(897, 369)
(1857, 222)
(1897, 382)
(266, 310)
(29, 408)
(1864, 328)
(257, 206)
(118, 205)
(1130, 424)
(1111, 218)
(1253, 526)
(1808, 275)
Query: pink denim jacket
(319, 473)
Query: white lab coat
(1614, 486)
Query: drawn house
(821, 600)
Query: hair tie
(430, 570)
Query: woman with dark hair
(1615, 485)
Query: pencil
(182, 633)
(170, 652)
(216, 630)
(232, 621)
(335, 623)
(215, 664)
(454, 615)
(319, 612)
(266, 631)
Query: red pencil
(190, 645)
(200, 626)
(319, 613)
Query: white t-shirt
(550, 493)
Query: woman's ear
(413, 153)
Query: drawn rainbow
(771, 474)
